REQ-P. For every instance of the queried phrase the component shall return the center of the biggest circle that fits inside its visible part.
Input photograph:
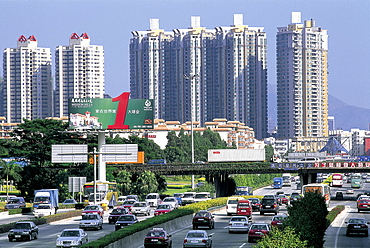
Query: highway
(221, 238)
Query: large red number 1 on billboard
(121, 111)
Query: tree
(285, 238)
(10, 170)
(308, 218)
(124, 182)
(145, 183)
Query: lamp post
(192, 95)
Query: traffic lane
(336, 234)
(220, 236)
(48, 232)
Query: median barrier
(137, 239)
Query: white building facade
(201, 74)
(79, 72)
(302, 79)
(27, 84)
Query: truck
(46, 196)
(236, 155)
(277, 183)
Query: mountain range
(346, 117)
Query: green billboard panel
(111, 113)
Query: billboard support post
(94, 154)
(102, 175)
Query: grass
(172, 191)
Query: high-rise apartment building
(302, 79)
(201, 74)
(27, 86)
(79, 72)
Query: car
(269, 205)
(121, 199)
(244, 207)
(256, 203)
(178, 197)
(239, 224)
(93, 209)
(157, 237)
(141, 208)
(363, 205)
(117, 212)
(91, 221)
(339, 195)
(15, 202)
(294, 198)
(274, 197)
(284, 199)
(23, 230)
(153, 199)
(231, 204)
(350, 191)
(357, 226)
(363, 197)
(258, 231)
(69, 201)
(349, 180)
(171, 200)
(202, 196)
(72, 238)
(125, 220)
(188, 198)
(197, 238)
(43, 210)
(132, 197)
(203, 218)
(277, 220)
(162, 209)
(128, 204)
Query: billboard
(111, 113)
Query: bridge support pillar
(222, 185)
(307, 178)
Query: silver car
(171, 200)
(239, 224)
(94, 221)
(197, 238)
(141, 208)
(72, 238)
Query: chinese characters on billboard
(111, 113)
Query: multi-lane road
(335, 236)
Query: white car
(202, 196)
(141, 208)
(153, 199)
(171, 200)
(239, 224)
(72, 238)
(188, 198)
(93, 221)
(43, 210)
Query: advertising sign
(111, 113)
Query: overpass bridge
(218, 173)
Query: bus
(337, 180)
(322, 189)
(356, 180)
(287, 179)
(244, 190)
(106, 193)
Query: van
(244, 207)
(153, 199)
(231, 204)
(202, 196)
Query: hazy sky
(110, 22)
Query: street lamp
(192, 95)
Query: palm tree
(10, 169)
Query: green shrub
(14, 211)
(333, 214)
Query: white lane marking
(337, 234)
(242, 245)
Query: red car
(363, 205)
(93, 209)
(157, 237)
(128, 204)
(284, 199)
(277, 220)
(244, 207)
(162, 209)
(258, 231)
